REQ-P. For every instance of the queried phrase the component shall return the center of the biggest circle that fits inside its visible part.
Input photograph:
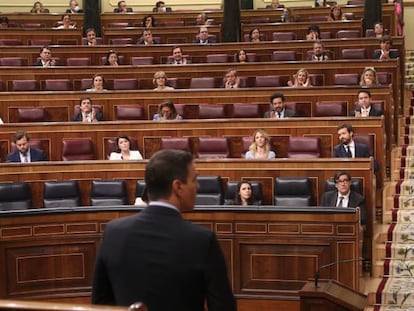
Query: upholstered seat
(32, 114)
(40, 42)
(178, 143)
(357, 53)
(142, 60)
(129, 112)
(24, 85)
(213, 147)
(12, 61)
(63, 193)
(202, 83)
(348, 33)
(346, 79)
(58, 85)
(126, 84)
(77, 149)
(217, 58)
(245, 110)
(210, 191)
(267, 81)
(15, 196)
(330, 109)
(7, 41)
(208, 111)
(284, 56)
(293, 191)
(283, 36)
(108, 192)
(78, 61)
(121, 41)
(304, 147)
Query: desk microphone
(333, 264)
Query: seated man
(87, 113)
(348, 148)
(365, 109)
(318, 54)
(46, 59)
(91, 36)
(344, 196)
(122, 7)
(385, 49)
(278, 108)
(147, 38)
(231, 79)
(177, 57)
(202, 37)
(24, 152)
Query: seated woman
(38, 8)
(98, 84)
(301, 79)
(123, 150)
(244, 195)
(159, 81)
(260, 147)
(241, 56)
(369, 77)
(254, 35)
(314, 33)
(166, 111)
(148, 21)
(112, 58)
(66, 23)
(336, 14)
(379, 30)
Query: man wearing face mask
(278, 108)
(74, 7)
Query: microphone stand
(333, 264)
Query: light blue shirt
(250, 155)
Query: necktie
(348, 152)
(279, 115)
(341, 199)
(25, 160)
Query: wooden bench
(58, 36)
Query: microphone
(333, 264)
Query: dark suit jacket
(70, 11)
(158, 258)
(288, 113)
(35, 155)
(361, 151)
(39, 63)
(78, 117)
(393, 54)
(355, 200)
(116, 10)
(208, 41)
(372, 112)
(142, 42)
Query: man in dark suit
(24, 152)
(158, 258)
(202, 37)
(385, 51)
(365, 108)
(87, 113)
(177, 57)
(147, 38)
(344, 196)
(74, 7)
(278, 108)
(318, 55)
(45, 59)
(122, 7)
(348, 148)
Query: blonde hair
(374, 72)
(253, 146)
(159, 74)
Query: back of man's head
(163, 168)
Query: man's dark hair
(365, 91)
(45, 47)
(314, 28)
(19, 135)
(277, 95)
(4, 20)
(159, 3)
(176, 47)
(163, 168)
(341, 173)
(386, 38)
(346, 126)
(84, 98)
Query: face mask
(76, 8)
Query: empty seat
(129, 112)
(366, 139)
(304, 147)
(11, 42)
(293, 191)
(330, 109)
(384, 78)
(231, 189)
(316, 79)
(213, 147)
(12, 61)
(346, 79)
(370, 33)
(349, 33)
(32, 25)
(174, 22)
(77, 149)
(177, 143)
(86, 83)
(125, 84)
(58, 85)
(25, 85)
(318, 18)
(283, 36)
(246, 110)
(117, 25)
(259, 20)
(210, 191)
(78, 61)
(202, 83)
(284, 56)
(61, 194)
(108, 192)
(40, 42)
(32, 114)
(211, 111)
(121, 41)
(217, 58)
(359, 53)
(142, 60)
(15, 196)
(267, 81)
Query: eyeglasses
(342, 181)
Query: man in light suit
(24, 152)
(158, 258)
(278, 108)
(344, 196)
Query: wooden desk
(48, 20)
(58, 36)
(292, 243)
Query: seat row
(213, 190)
(75, 149)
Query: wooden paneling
(58, 36)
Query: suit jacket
(361, 151)
(162, 260)
(78, 117)
(210, 40)
(372, 112)
(288, 113)
(39, 63)
(172, 62)
(70, 11)
(116, 10)
(142, 42)
(330, 198)
(393, 54)
(35, 155)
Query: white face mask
(76, 8)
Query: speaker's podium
(330, 295)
